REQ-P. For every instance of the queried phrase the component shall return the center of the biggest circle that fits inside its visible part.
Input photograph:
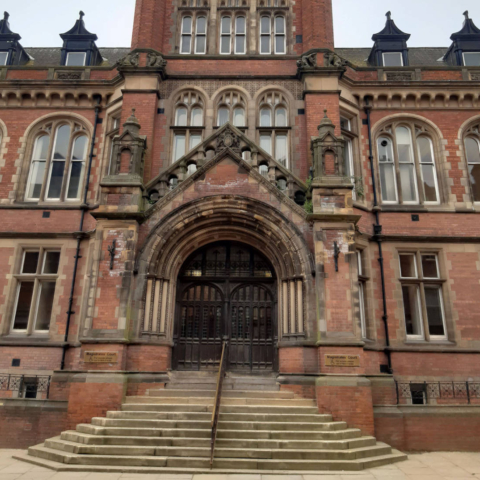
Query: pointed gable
(79, 47)
(465, 49)
(227, 162)
(11, 52)
(390, 47)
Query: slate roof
(50, 57)
(418, 57)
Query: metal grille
(26, 385)
(420, 393)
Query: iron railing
(26, 385)
(420, 393)
(218, 398)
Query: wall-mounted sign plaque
(100, 357)
(342, 360)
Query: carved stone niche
(123, 187)
(331, 188)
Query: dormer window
(471, 59)
(393, 59)
(3, 58)
(76, 59)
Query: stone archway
(224, 218)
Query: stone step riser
(237, 464)
(226, 387)
(84, 439)
(142, 432)
(291, 418)
(225, 401)
(172, 451)
(166, 392)
(139, 407)
(223, 425)
(288, 435)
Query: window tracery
(57, 162)
(188, 122)
(232, 107)
(472, 151)
(407, 164)
(273, 126)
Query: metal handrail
(218, 396)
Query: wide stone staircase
(260, 429)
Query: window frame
(470, 53)
(275, 34)
(237, 35)
(183, 34)
(50, 130)
(39, 278)
(269, 34)
(363, 280)
(224, 35)
(416, 132)
(421, 282)
(197, 35)
(350, 136)
(194, 101)
(272, 33)
(6, 58)
(114, 123)
(76, 53)
(476, 139)
(392, 53)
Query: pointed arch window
(472, 149)
(273, 127)
(407, 165)
(232, 108)
(58, 160)
(188, 121)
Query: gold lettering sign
(100, 357)
(342, 360)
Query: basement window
(418, 393)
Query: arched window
(273, 32)
(349, 136)
(407, 165)
(274, 130)
(193, 34)
(240, 35)
(187, 124)
(58, 160)
(232, 108)
(472, 150)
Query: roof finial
(6, 16)
(133, 112)
(82, 14)
(325, 112)
(466, 14)
(389, 15)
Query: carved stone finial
(325, 112)
(82, 14)
(133, 112)
(389, 15)
(466, 14)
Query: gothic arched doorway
(226, 290)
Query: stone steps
(258, 430)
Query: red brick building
(234, 176)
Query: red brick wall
(317, 21)
(298, 360)
(24, 425)
(148, 358)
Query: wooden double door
(226, 291)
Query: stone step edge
(395, 457)
(309, 450)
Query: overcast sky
(431, 22)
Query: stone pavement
(426, 466)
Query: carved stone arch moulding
(198, 223)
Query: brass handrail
(218, 396)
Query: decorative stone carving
(333, 60)
(475, 76)
(130, 60)
(308, 61)
(399, 76)
(228, 139)
(69, 75)
(328, 149)
(155, 60)
(129, 144)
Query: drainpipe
(84, 208)
(377, 228)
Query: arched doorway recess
(226, 290)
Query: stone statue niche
(128, 152)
